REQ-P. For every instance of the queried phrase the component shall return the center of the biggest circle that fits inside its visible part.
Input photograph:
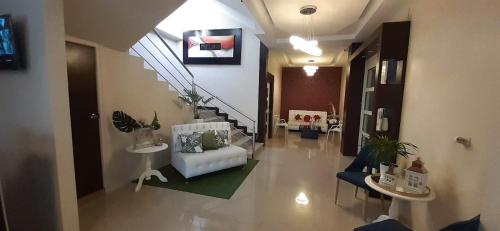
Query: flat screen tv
(9, 56)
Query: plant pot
(197, 121)
(384, 167)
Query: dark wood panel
(261, 133)
(352, 107)
(390, 41)
(270, 80)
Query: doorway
(367, 100)
(82, 86)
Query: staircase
(160, 58)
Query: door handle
(94, 116)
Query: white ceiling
(337, 23)
(115, 23)
(331, 15)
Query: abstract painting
(221, 46)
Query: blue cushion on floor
(355, 178)
(387, 225)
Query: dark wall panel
(300, 92)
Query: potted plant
(193, 99)
(384, 151)
(143, 133)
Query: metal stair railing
(185, 83)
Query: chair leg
(356, 193)
(327, 135)
(365, 202)
(382, 201)
(337, 190)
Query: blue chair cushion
(355, 178)
(469, 225)
(387, 225)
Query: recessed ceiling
(331, 16)
(337, 23)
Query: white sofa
(294, 124)
(195, 164)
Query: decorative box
(416, 177)
(388, 179)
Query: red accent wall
(300, 92)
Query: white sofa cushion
(195, 164)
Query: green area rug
(221, 184)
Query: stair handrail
(193, 84)
(173, 52)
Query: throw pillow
(222, 138)
(297, 117)
(317, 117)
(307, 118)
(190, 143)
(209, 140)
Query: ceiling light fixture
(310, 69)
(308, 45)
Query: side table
(147, 152)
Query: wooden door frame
(270, 80)
(99, 93)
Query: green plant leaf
(155, 124)
(383, 149)
(124, 122)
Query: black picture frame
(9, 61)
(235, 60)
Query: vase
(384, 167)
(143, 138)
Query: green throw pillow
(209, 140)
(191, 143)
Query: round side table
(147, 152)
(396, 198)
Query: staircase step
(242, 140)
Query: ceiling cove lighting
(308, 45)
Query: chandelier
(308, 45)
(310, 69)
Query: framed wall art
(222, 46)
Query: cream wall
(274, 67)
(452, 90)
(125, 85)
(36, 167)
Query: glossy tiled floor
(265, 200)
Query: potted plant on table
(193, 99)
(384, 151)
(142, 132)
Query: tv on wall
(9, 56)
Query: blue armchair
(354, 174)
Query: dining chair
(355, 175)
(282, 123)
(334, 128)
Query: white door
(367, 109)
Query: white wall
(36, 153)
(235, 84)
(452, 90)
